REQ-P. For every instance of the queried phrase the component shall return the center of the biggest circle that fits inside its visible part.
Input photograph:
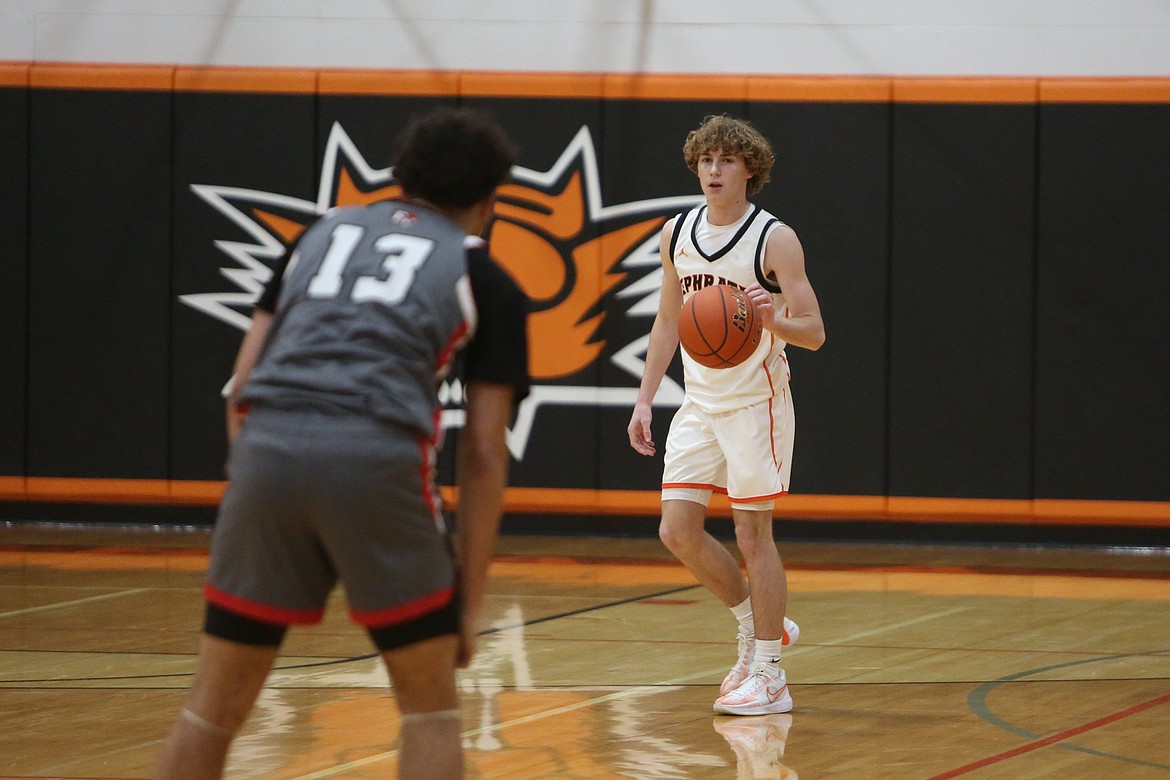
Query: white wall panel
(868, 37)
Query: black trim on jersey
(729, 245)
(268, 299)
(498, 351)
(764, 281)
(243, 630)
(678, 226)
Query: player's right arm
(253, 344)
(661, 349)
(245, 360)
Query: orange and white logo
(580, 261)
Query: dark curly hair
(732, 136)
(453, 157)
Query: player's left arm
(496, 378)
(784, 262)
(482, 473)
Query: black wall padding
(961, 271)
(1103, 303)
(994, 280)
(99, 283)
(14, 228)
(264, 143)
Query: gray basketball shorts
(316, 499)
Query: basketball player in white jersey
(733, 433)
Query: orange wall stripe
(14, 74)
(388, 82)
(522, 84)
(832, 507)
(949, 510)
(964, 90)
(645, 86)
(251, 80)
(1105, 90)
(1086, 512)
(570, 501)
(827, 507)
(195, 493)
(813, 88)
(101, 76)
(131, 491)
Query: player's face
(722, 176)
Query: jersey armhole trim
(678, 226)
(764, 281)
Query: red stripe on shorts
(403, 612)
(263, 612)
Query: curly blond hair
(723, 133)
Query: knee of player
(679, 538)
(752, 539)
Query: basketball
(718, 326)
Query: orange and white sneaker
(747, 649)
(764, 692)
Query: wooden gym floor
(601, 659)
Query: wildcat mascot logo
(580, 262)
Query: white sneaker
(791, 633)
(747, 648)
(764, 692)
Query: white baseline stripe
(73, 602)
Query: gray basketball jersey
(374, 304)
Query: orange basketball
(718, 326)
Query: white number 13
(403, 255)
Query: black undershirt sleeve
(267, 300)
(498, 351)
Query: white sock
(767, 651)
(743, 613)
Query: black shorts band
(443, 621)
(234, 627)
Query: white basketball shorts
(744, 453)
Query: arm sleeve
(268, 298)
(498, 352)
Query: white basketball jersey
(706, 254)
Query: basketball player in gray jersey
(333, 417)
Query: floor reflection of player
(758, 744)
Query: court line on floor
(1060, 737)
(977, 702)
(74, 602)
(879, 630)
